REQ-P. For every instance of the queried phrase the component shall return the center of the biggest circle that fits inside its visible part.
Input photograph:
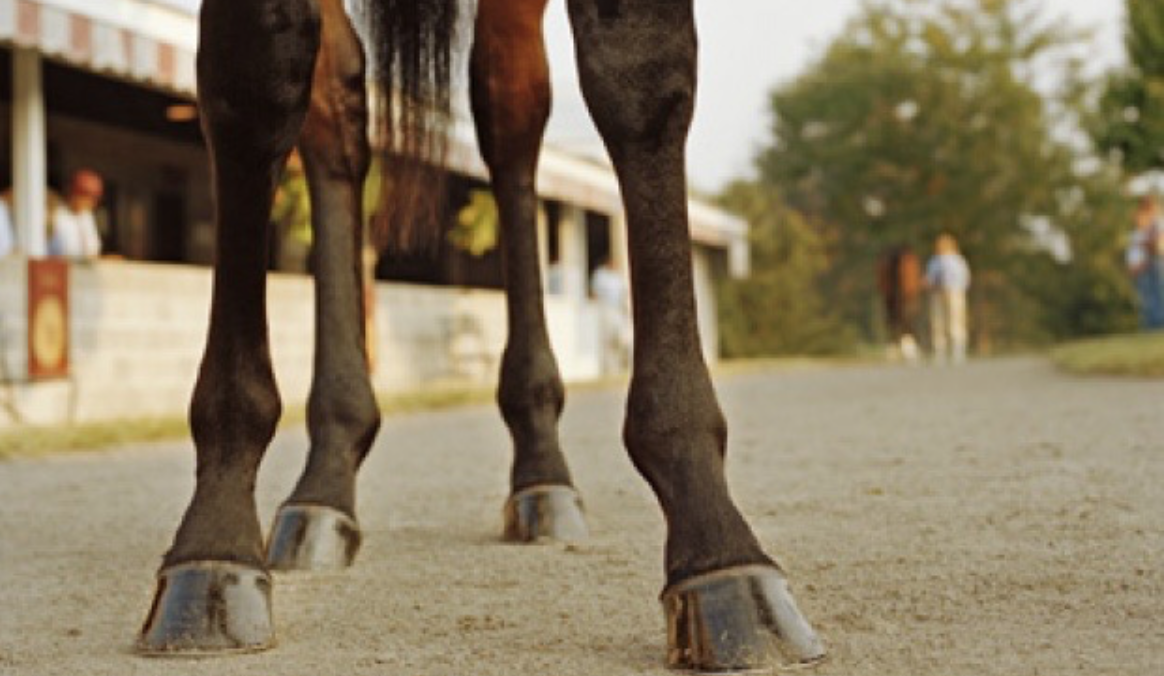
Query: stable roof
(145, 41)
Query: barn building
(109, 86)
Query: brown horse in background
(276, 74)
(900, 282)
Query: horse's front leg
(511, 103)
(254, 75)
(316, 527)
(727, 604)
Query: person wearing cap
(73, 226)
(1145, 260)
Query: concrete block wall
(136, 338)
(439, 335)
(138, 331)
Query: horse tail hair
(410, 47)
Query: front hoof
(209, 607)
(738, 619)
(312, 537)
(545, 513)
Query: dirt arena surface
(1000, 518)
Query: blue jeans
(1150, 289)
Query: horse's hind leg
(511, 103)
(316, 527)
(254, 75)
(726, 602)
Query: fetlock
(676, 437)
(531, 397)
(343, 430)
(220, 524)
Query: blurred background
(832, 141)
(1025, 128)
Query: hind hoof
(312, 537)
(545, 513)
(739, 619)
(209, 607)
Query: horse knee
(642, 95)
(509, 77)
(335, 138)
(254, 74)
(510, 97)
(651, 119)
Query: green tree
(923, 117)
(778, 309)
(1131, 116)
(477, 224)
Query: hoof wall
(209, 607)
(740, 619)
(311, 537)
(545, 513)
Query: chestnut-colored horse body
(274, 75)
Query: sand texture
(1000, 518)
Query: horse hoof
(209, 607)
(545, 513)
(738, 619)
(312, 537)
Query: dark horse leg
(727, 604)
(255, 61)
(316, 527)
(511, 103)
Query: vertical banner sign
(48, 318)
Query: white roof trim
(156, 20)
(591, 184)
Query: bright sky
(746, 48)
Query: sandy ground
(995, 519)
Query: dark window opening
(553, 231)
(443, 263)
(597, 240)
(76, 93)
(168, 229)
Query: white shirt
(74, 234)
(609, 288)
(1141, 245)
(948, 272)
(7, 236)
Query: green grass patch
(433, 398)
(1139, 355)
(35, 440)
(861, 356)
(24, 441)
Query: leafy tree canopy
(1131, 115)
(924, 117)
(779, 309)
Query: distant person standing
(73, 225)
(7, 232)
(1145, 261)
(948, 278)
(609, 288)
